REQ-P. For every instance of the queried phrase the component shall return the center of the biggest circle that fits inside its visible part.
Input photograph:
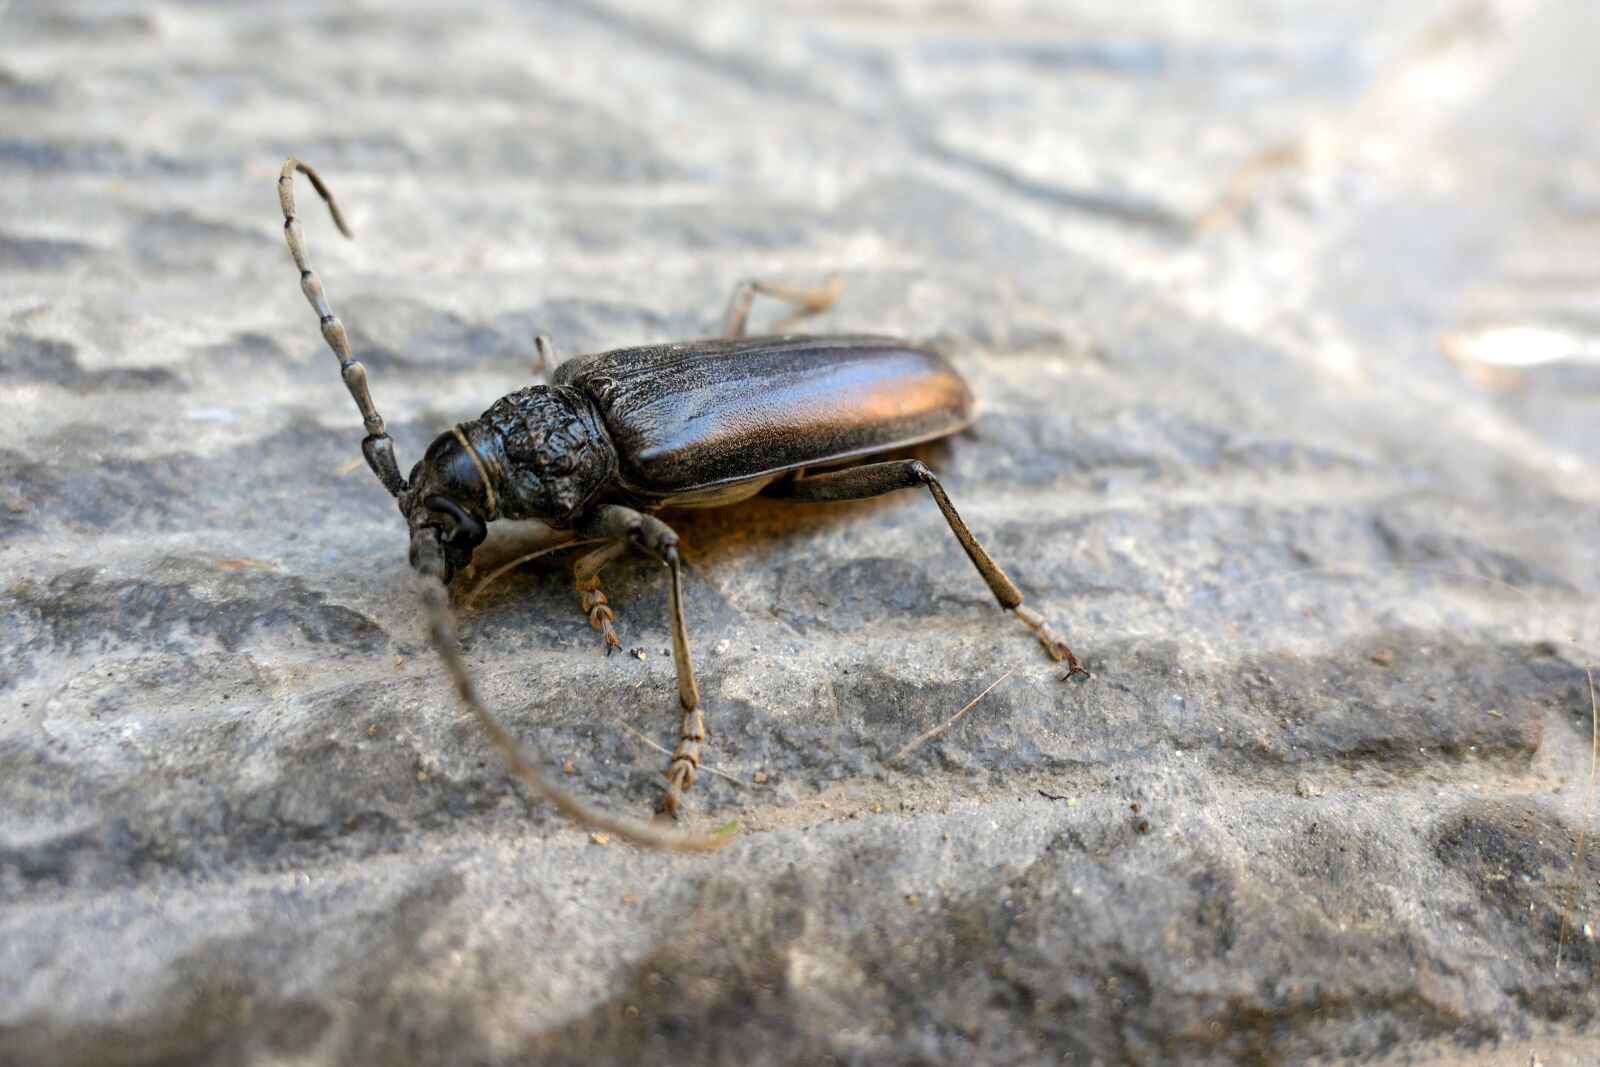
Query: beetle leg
(546, 356)
(876, 479)
(586, 572)
(810, 298)
(427, 556)
(657, 539)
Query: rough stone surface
(1237, 284)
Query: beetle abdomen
(703, 413)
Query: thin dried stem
(495, 575)
(951, 721)
(668, 752)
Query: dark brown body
(620, 434)
(702, 423)
(694, 424)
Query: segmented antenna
(377, 447)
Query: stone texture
(1238, 291)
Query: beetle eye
(465, 531)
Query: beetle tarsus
(685, 760)
(586, 574)
(1053, 642)
(601, 617)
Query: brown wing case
(704, 413)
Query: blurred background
(1283, 319)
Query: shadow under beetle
(616, 436)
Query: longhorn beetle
(620, 434)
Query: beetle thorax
(545, 452)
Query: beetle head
(539, 453)
(450, 492)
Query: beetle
(616, 436)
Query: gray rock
(1282, 323)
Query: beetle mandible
(619, 435)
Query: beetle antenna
(428, 558)
(377, 447)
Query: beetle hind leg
(811, 300)
(876, 479)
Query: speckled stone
(1235, 291)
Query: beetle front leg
(876, 479)
(657, 539)
(586, 574)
